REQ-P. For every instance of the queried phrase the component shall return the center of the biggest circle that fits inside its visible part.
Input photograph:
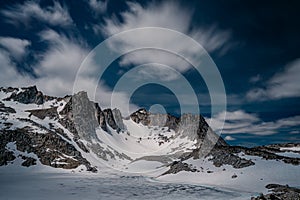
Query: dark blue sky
(254, 44)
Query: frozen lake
(40, 185)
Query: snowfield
(290, 149)
(42, 182)
(248, 179)
(37, 183)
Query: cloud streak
(98, 6)
(239, 122)
(56, 15)
(169, 15)
(9, 75)
(15, 46)
(284, 84)
(57, 68)
(54, 70)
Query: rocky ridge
(278, 192)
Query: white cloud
(56, 71)
(151, 73)
(56, 15)
(59, 67)
(158, 56)
(166, 14)
(239, 115)
(16, 47)
(59, 64)
(98, 6)
(229, 138)
(9, 75)
(295, 132)
(283, 84)
(212, 38)
(241, 122)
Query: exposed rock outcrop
(141, 116)
(28, 161)
(118, 119)
(8, 89)
(155, 119)
(230, 155)
(5, 109)
(109, 118)
(84, 112)
(27, 95)
(278, 192)
(85, 116)
(178, 166)
(100, 117)
(51, 149)
(5, 155)
(43, 113)
(221, 157)
(188, 125)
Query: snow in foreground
(38, 184)
(249, 179)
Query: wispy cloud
(166, 14)
(9, 75)
(284, 84)
(295, 132)
(229, 138)
(255, 79)
(56, 67)
(98, 6)
(241, 122)
(15, 46)
(56, 15)
(56, 71)
(59, 63)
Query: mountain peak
(27, 95)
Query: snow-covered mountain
(73, 132)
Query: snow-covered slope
(75, 134)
